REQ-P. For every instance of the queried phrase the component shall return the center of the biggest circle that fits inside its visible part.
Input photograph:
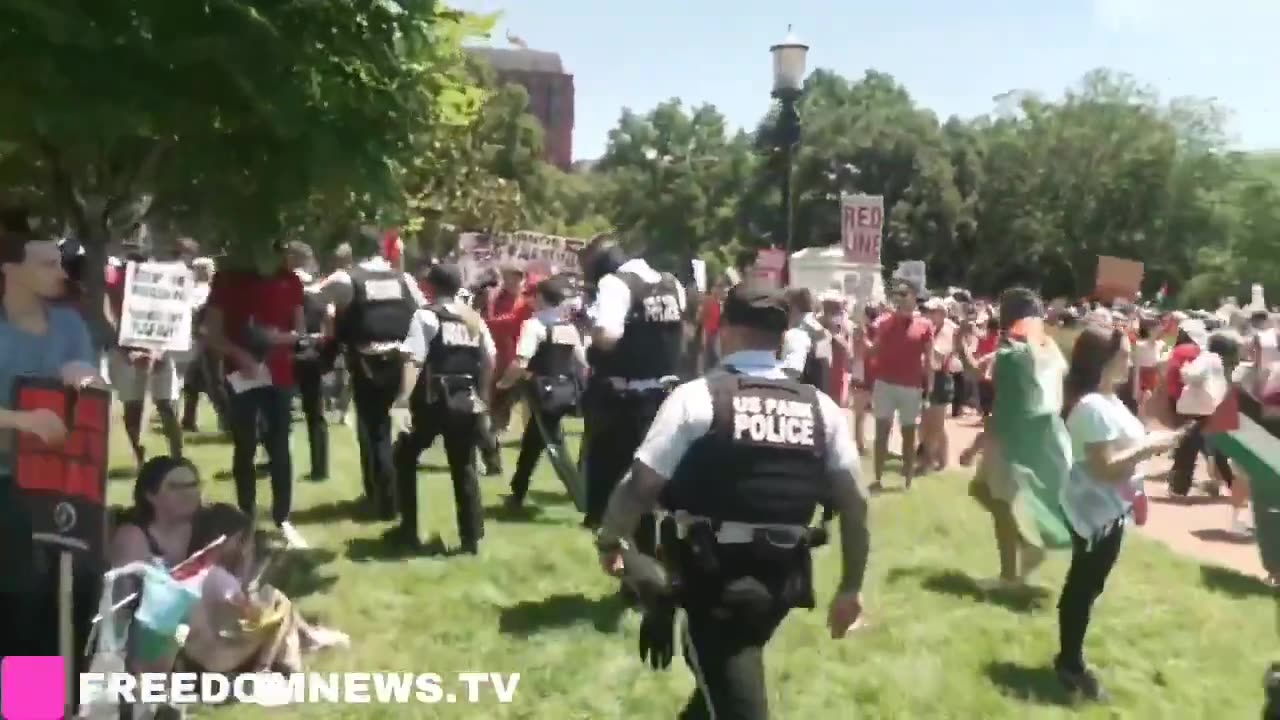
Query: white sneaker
(292, 538)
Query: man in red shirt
(254, 319)
(903, 341)
(508, 309)
(135, 371)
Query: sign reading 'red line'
(64, 486)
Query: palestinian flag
(1026, 421)
(1245, 432)
(1162, 297)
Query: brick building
(550, 91)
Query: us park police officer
(375, 305)
(637, 341)
(453, 344)
(740, 460)
(549, 358)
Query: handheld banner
(65, 486)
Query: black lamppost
(788, 81)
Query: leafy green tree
(234, 120)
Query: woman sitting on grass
(235, 627)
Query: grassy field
(1171, 639)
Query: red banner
(65, 485)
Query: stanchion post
(66, 628)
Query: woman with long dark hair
(1109, 443)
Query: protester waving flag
(1028, 375)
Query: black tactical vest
(456, 349)
(554, 356)
(763, 459)
(653, 338)
(381, 308)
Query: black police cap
(756, 305)
(445, 276)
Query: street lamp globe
(788, 64)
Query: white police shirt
(337, 289)
(533, 332)
(686, 416)
(425, 326)
(613, 296)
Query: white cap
(1195, 330)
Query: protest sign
(536, 253)
(1118, 278)
(158, 300)
(700, 274)
(64, 486)
(862, 227)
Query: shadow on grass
(529, 514)
(386, 549)
(1235, 584)
(1033, 684)
(353, 509)
(1223, 536)
(547, 497)
(957, 584)
(206, 438)
(562, 611)
(296, 573)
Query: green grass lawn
(1171, 639)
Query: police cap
(756, 305)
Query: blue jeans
(266, 410)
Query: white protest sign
(156, 314)
(700, 275)
(1257, 301)
(912, 270)
(862, 227)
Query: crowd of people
(714, 427)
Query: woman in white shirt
(1109, 443)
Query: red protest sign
(65, 485)
(862, 227)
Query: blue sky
(952, 55)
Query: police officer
(806, 346)
(549, 357)
(636, 345)
(375, 305)
(453, 344)
(309, 365)
(741, 459)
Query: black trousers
(375, 383)
(963, 393)
(1085, 580)
(310, 376)
(266, 410)
(531, 446)
(1184, 458)
(619, 423)
(459, 432)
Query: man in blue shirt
(37, 339)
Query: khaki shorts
(888, 400)
(132, 383)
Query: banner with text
(862, 227)
(64, 486)
(158, 300)
(536, 253)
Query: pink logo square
(33, 688)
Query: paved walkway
(1196, 526)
